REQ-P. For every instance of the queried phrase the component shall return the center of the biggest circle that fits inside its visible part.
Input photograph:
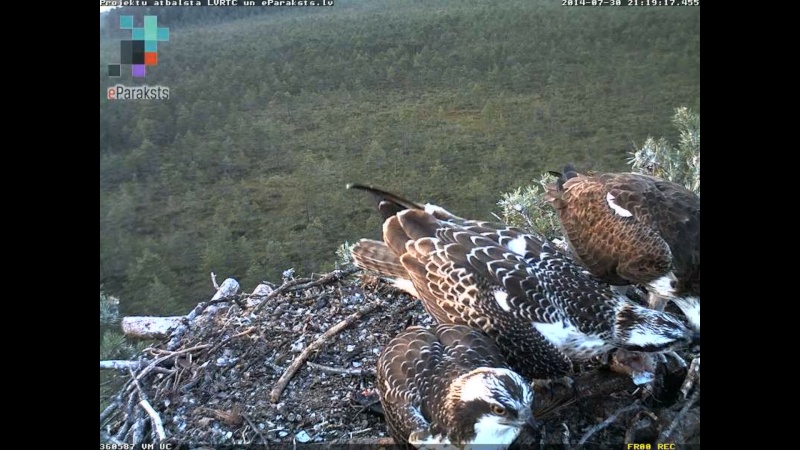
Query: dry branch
(117, 364)
(107, 438)
(157, 361)
(305, 283)
(365, 442)
(340, 370)
(139, 427)
(336, 275)
(255, 428)
(158, 424)
(123, 431)
(667, 434)
(277, 390)
(226, 340)
(109, 409)
(591, 431)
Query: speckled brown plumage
(541, 309)
(420, 374)
(629, 228)
(661, 234)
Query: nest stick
(137, 435)
(255, 428)
(158, 361)
(228, 339)
(305, 283)
(158, 424)
(678, 417)
(366, 442)
(341, 370)
(107, 438)
(336, 275)
(613, 417)
(121, 364)
(115, 403)
(277, 390)
(123, 431)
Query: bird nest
(296, 366)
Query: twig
(630, 433)
(158, 424)
(255, 428)
(130, 410)
(369, 406)
(108, 439)
(110, 408)
(277, 390)
(154, 365)
(157, 361)
(225, 299)
(188, 386)
(359, 432)
(225, 341)
(411, 305)
(365, 442)
(666, 433)
(214, 280)
(303, 283)
(125, 430)
(138, 428)
(554, 407)
(340, 370)
(280, 290)
(155, 418)
(122, 432)
(613, 417)
(336, 275)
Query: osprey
(540, 308)
(629, 228)
(449, 384)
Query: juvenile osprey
(541, 309)
(449, 384)
(629, 228)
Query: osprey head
(490, 406)
(648, 330)
(690, 306)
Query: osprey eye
(499, 410)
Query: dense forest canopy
(273, 110)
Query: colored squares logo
(142, 49)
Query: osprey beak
(530, 422)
